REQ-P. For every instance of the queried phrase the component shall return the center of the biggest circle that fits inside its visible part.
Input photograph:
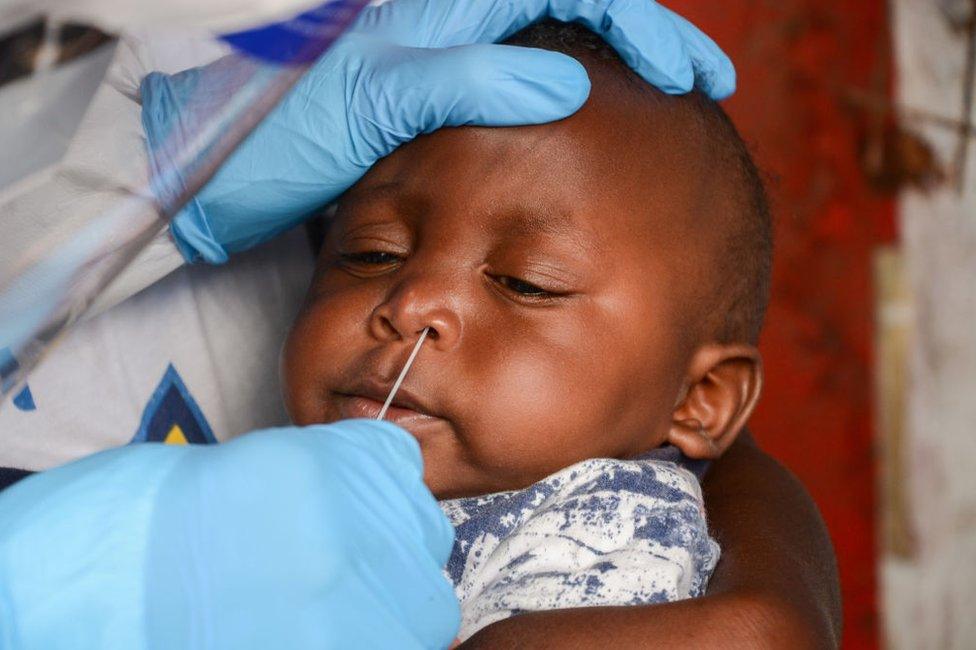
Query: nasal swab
(403, 373)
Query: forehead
(602, 176)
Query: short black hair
(742, 290)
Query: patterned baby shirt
(600, 532)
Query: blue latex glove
(390, 79)
(323, 537)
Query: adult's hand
(296, 538)
(410, 67)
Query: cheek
(298, 378)
(652, 360)
(542, 400)
(320, 343)
(574, 392)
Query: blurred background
(861, 112)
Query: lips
(366, 398)
(357, 406)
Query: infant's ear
(721, 390)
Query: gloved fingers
(330, 521)
(644, 35)
(665, 49)
(378, 466)
(375, 466)
(392, 459)
(414, 91)
(433, 23)
(714, 72)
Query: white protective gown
(171, 352)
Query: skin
(644, 353)
(569, 314)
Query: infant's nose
(414, 305)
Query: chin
(447, 487)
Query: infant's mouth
(366, 400)
(361, 406)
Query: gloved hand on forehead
(410, 67)
(322, 537)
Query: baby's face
(561, 277)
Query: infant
(594, 290)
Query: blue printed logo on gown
(23, 400)
(172, 415)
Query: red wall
(796, 59)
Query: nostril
(432, 334)
(387, 326)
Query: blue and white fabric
(600, 532)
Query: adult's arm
(273, 539)
(777, 554)
(775, 586)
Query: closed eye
(371, 258)
(524, 288)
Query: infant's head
(594, 287)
